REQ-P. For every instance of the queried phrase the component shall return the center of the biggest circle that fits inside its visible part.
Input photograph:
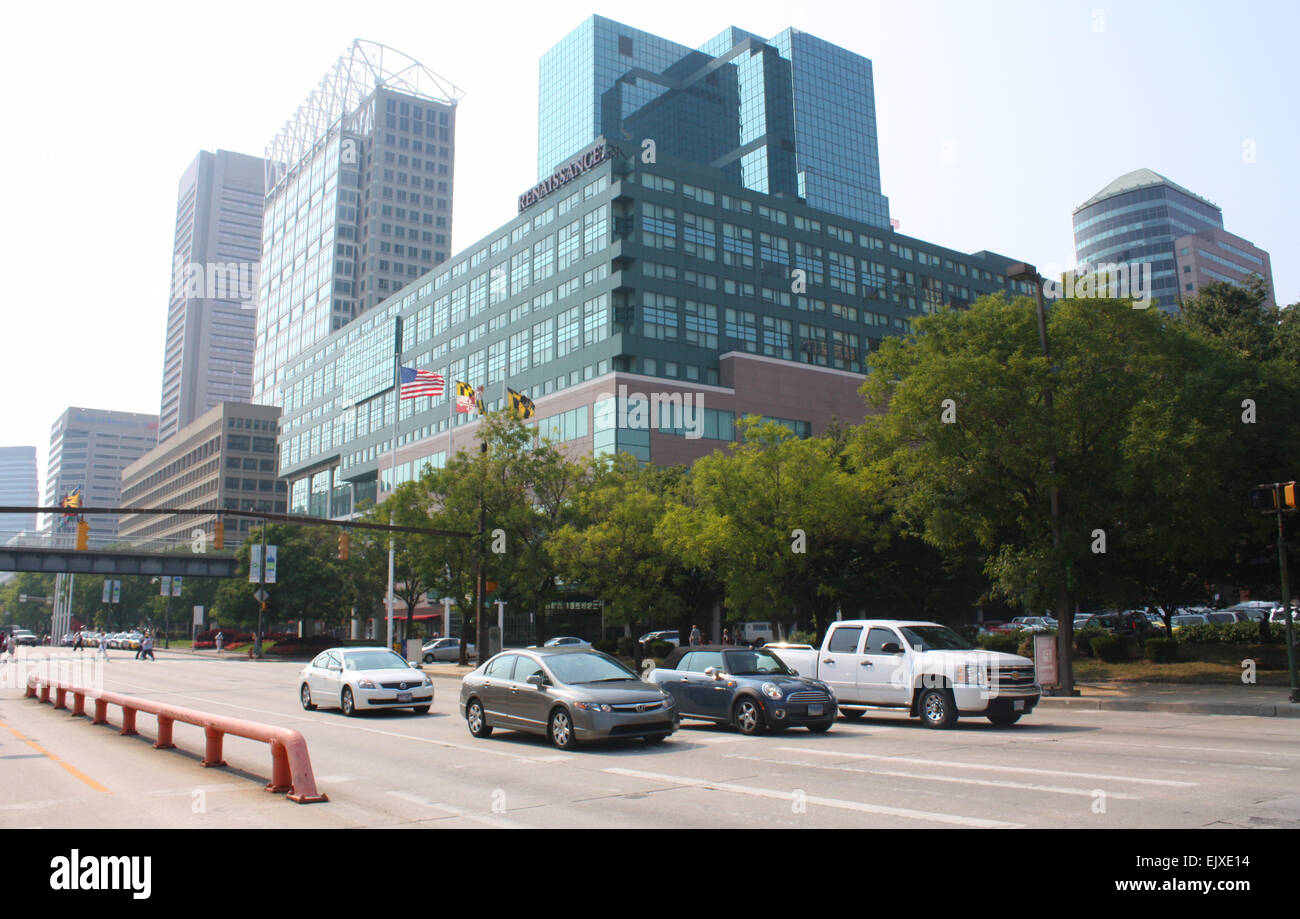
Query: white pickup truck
(923, 667)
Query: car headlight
(668, 700)
(970, 674)
(592, 706)
(427, 682)
(772, 691)
(366, 684)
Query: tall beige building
(223, 460)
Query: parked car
(668, 635)
(355, 679)
(445, 649)
(1177, 622)
(567, 694)
(749, 688)
(1034, 623)
(1120, 623)
(924, 668)
(566, 641)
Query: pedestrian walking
(103, 646)
(695, 635)
(140, 650)
(146, 648)
(4, 642)
(221, 640)
(726, 637)
(79, 643)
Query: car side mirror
(713, 673)
(793, 672)
(537, 680)
(891, 647)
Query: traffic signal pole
(1286, 604)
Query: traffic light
(83, 535)
(1263, 498)
(219, 535)
(344, 545)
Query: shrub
(660, 649)
(1161, 650)
(607, 645)
(803, 638)
(1083, 640)
(1008, 643)
(1214, 633)
(1110, 648)
(1026, 646)
(626, 646)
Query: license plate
(815, 709)
(1018, 706)
(403, 697)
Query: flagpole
(392, 483)
(451, 419)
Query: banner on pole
(117, 591)
(176, 586)
(254, 564)
(271, 554)
(108, 590)
(166, 590)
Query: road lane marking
(72, 770)
(948, 764)
(490, 819)
(545, 758)
(837, 803)
(990, 783)
(1181, 747)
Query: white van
(753, 633)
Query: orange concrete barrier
(290, 764)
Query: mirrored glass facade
(793, 116)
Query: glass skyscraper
(358, 201)
(1137, 218)
(793, 116)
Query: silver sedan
(354, 679)
(566, 694)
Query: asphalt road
(1057, 768)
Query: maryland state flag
(465, 400)
(520, 404)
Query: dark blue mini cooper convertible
(748, 687)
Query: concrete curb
(1282, 709)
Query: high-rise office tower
(790, 116)
(18, 486)
(212, 315)
(358, 201)
(1144, 217)
(89, 448)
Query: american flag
(417, 383)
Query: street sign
(198, 615)
(166, 589)
(271, 553)
(261, 595)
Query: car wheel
(561, 730)
(305, 696)
(937, 708)
(819, 728)
(852, 714)
(747, 716)
(422, 709)
(1005, 720)
(349, 706)
(429, 658)
(478, 725)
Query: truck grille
(1016, 676)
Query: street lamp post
(1064, 618)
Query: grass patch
(1213, 664)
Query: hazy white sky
(995, 120)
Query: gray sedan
(566, 694)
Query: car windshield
(373, 660)
(934, 638)
(744, 663)
(588, 667)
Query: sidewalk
(1181, 698)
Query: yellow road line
(46, 753)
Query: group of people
(697, 639)
(143, 653)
